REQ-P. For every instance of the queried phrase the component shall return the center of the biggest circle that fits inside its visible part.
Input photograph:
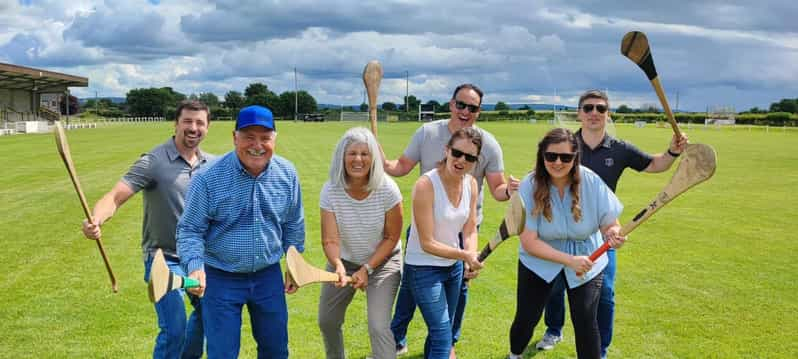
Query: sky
(707, 53)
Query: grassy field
(711, 275)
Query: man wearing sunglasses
(608, 157)
(427, 147)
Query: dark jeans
(406, 307)
(555, 309)
(531, 297)
(263, 294)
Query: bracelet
(674, 155)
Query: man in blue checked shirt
(241, 215)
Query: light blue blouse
(600, 207)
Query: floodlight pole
(296, 96)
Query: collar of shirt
(171, 151)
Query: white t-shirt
(448, 223)
(361, 223)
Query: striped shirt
(361, 223)
(238, 223)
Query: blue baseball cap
(255, 116)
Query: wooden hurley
(635, 47)
(512, 225)
(302, 273)
(372, 76)
(162, 280)
(63, 150)
(697, 165)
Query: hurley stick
(63, 150)
(372, 76)
(697, 165)
(635, 47)
(303, 273)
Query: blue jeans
(264, 295)
(406, 307)
(555, 308)
(436, 290)
(176, 338)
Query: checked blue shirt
(238, 223)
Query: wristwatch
(369, 268)
(673, 154)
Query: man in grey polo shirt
(428, 147)
(163, 174)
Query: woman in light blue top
(569, 213)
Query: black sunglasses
(462, 105)
(564, 157)
(588, 108)
(457, 154)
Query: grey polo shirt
(163, 175)
(428, 144)
(611, 157)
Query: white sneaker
(401, 350)
(548, 342)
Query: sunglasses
(564, 157)
(462, 105)
(458, 154)
(588, 108)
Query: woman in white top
(361, 221)
(444, 208)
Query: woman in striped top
(361, 222)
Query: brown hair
(593, 94)
(468, 133)
(192, 105)
(542, 179)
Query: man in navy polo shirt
(608, 157)
(242, 213)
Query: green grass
(711, 275)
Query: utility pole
(677, 101)
(296, 96)
(407, 91)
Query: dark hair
(192, 105)
(593, 94)
(542, 179)
(467, 133)
(468, 86)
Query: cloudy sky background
(714, 53)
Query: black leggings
(531, 297)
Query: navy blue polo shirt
(611, 157)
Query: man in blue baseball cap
(241, 216)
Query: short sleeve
(393, 194)
(140, 174)
(637, 159)
(413, 150)
(525, 190)
(493, 153)
(325, 202)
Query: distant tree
(74, 106)
(501, 106)
(785, 105)
(412, 102)
(388, 106)
(209, 98)
(364, 107)
(525, 107)
(305, 103)
(234, 100)
(193, 97)
(434, 104)
(623, 109)
(153, 101)
(259, 94)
